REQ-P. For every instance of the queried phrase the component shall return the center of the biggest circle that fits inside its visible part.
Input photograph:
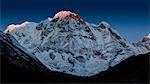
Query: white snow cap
(14, 26)
(63, 14)
(49, 18)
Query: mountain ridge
(73, 46)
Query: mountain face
(66, 43)
(11, 50)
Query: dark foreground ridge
(134, 69)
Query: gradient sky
(129, 17)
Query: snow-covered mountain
(66, 43)
(146, 38)
(143, 46)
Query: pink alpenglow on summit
(63, 14)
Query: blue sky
(129, 17)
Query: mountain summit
(146, 38)
(66, 43)
(64, 14)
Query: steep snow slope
(66, 43)
(11, 50)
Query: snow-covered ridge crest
(13, 26)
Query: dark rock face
(40, 26)
(81, 59)
(55, 19)
(52, 56)
(102, 26)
